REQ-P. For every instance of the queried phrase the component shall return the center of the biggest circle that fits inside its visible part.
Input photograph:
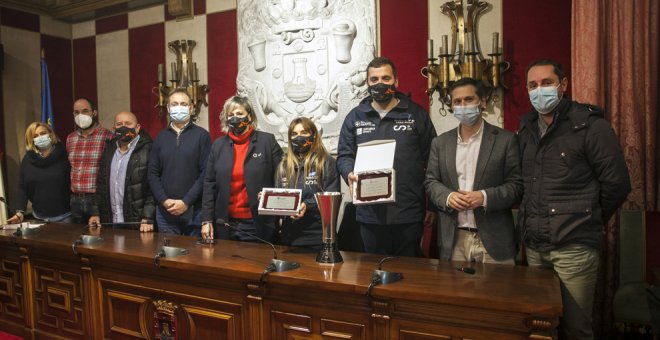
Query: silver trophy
(329, 203)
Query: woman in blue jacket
(241, 163)
(307, 166)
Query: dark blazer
(263, 156)
(138, 201)
(498, 173)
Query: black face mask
(125, 134)
(238, 125)
(301, 144)
(382, 93)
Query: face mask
(467, 114)
(238, 125)
(83, 121)
(125, 134)
(544, 98)
(382, 93)
(43, 142)
(179, 114)
(301, 144)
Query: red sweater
(239, 205)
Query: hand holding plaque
(376, 177)
(280, 202)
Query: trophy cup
(328, 203)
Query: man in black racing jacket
(390, 228)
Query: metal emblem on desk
(165, 323)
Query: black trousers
(393, 239)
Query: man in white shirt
(473, 177)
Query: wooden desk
(108, 291)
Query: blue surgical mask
(43, 142)
(468, 114)
(544, 98)
(179, 114)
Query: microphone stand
(276, 265)
(383, 277)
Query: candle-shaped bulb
(496, 42)
(430, 48)
(445, 45)
(161, 73)
(174, 74)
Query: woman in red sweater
(241, 163)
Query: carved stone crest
(304, 58)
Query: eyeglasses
(85, 111)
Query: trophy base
(329, 254)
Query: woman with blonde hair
(45, 177)
(307, 166)
(240, 164)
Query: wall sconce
(466, 58)
(184, 75)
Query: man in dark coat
(575, 177)
(123, 194)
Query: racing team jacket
(407, 123)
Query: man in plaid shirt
(85, 147)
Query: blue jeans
(81, 207)
(392, 239)
(188, 223)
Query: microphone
(466, 270)
(383, 277)
(275, 264)
(222, 222)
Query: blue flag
(46, 101)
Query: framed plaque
(374, 186)
(376, 177)
(280, 202)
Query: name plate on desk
(280, 202)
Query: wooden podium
(114, 290)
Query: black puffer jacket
(575, 177)
(138, 200)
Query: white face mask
(179, 114)
(544, 98)
(43, 142)
(468, 115)
(83, 121)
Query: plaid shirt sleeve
(85, 158)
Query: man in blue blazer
(473, 177)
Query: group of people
(564, 167)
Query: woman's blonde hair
(314, 159)
(231, 104)
(31, 132)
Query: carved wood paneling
(286, 325)
(58, 302)
(128, 312)
(11, 292)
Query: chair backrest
(632, 246)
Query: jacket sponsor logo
(255, 155)
(403, 124)
(402, 127)
(362, 130)
(311, 179)
(361, 123)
